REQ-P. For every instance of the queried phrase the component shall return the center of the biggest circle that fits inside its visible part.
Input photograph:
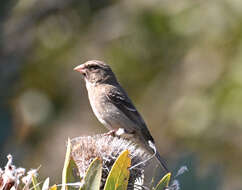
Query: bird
(113, 107)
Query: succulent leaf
(92, 180)
(119, 174)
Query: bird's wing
(120, 99)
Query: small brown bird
(112, 106)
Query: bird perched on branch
(112, 106)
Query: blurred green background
(179, 60)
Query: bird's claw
(111, 133)
(121, 132)
(116, 133)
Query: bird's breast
(97, 101)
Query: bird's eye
(93, 67)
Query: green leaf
(46, 184)
(35, 183)
(92, 179)
(69, 165)
(119, 174)
(164, 182)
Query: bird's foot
(118, 132)
(111, 133)
(121, 132)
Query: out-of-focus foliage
(179, 60)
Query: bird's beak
(80, 68)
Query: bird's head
(95, 71)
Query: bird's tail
(151, 146)
(158, 157)
(162, 162)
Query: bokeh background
(179, 60)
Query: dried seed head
(108, 148)
(11, 177)
(27, 180)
